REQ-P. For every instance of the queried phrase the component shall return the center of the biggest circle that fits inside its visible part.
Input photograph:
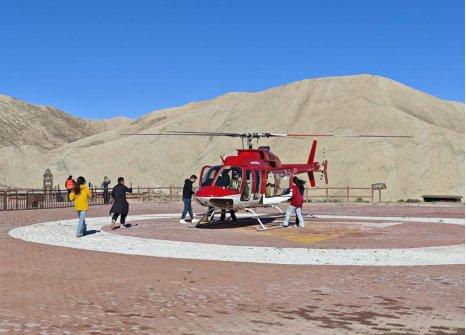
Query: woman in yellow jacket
(80, 195)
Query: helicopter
(261, 179)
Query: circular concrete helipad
(62, 233)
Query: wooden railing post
(372, 195)
(347, 193)
(307, 194)
(171, 192)
(380, 195)
(5, 201)
(326, 194)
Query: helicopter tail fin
(310, 160)
(312, 153)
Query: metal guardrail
(23, 199)
(335, 194)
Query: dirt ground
(56, 290)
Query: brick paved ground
(55, 290)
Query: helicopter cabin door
(257, 185)
(278, 185)
(247, 186)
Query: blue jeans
(298, 212)
(81, 224)
(187, 208)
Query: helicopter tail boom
(311, 166)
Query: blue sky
(98, 59)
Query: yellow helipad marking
(305, 236)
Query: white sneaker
(182, 221)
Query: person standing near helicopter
(235, 184)
(301, 188)
(187, 196)
(296, 204)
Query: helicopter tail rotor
(324, 170)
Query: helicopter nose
(204, 192)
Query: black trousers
(106, 196)
(232, 213)
(122, 217)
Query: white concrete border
(62, 233)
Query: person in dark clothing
(224, 179)
(105, 193)
(120, 204)
(187, 195)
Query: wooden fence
(23, 199)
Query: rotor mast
(249, 137)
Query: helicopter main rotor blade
(179, 134)
(261, 135)
(360, 136)
(203, 133)
(253, 134)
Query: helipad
(61, 233)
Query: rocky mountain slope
(45, 127)
(430, 163)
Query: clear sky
(102, 58)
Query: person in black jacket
(120, 204)
(187, 194)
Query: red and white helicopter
(261, 179)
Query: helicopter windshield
(208, 177)
(230, 177)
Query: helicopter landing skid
(207, 220)
(278, 209)
(257, 217)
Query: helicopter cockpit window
(208, 177)
(278, 183)
(230, 177)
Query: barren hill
(45, 127)
(431, 162)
